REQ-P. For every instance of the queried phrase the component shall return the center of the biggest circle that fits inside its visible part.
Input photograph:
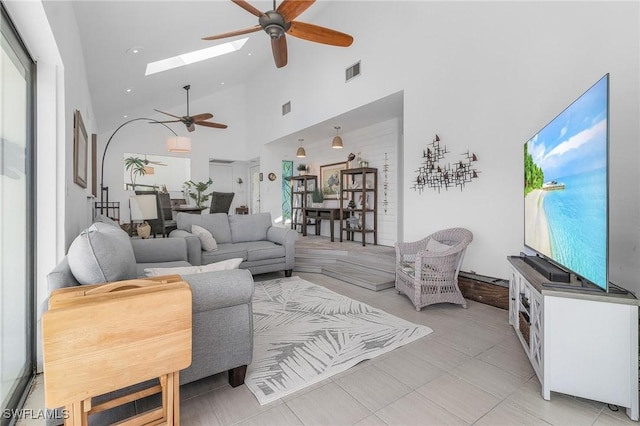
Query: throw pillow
(433, 245)
(206, 239)
(186, 270)
(102, 253)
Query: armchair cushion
(437, 246)
(102, 253)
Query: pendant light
(300, 153)
(179, 144)
(337, 140)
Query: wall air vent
(286, 108)
(352, 72)
(219, 161)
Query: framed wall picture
(330, 179)
(80, 150)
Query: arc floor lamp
(181, 141)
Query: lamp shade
(143, 207)
(179, 144)
(300, 153)
(337, 143)
(337, 140)
(148, 170)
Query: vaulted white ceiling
(109, 29)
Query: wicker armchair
(427, 271)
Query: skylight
(196, 56)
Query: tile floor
(470, 370)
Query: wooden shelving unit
(360, 186)
(301, 189)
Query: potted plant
(199, 196)
(135, 166)
(302, 169)
(317, 198)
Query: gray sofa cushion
(261, 250)
(216, 223)
(106, 219)
(224, 252)
(252, 227)
(102, 253)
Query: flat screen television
(566, 188)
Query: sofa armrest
(156, 250)
(282, 236)
(286, 237)
(194, 247)
(220, 289)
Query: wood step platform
(371, 267)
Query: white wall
(485, 76)
(206, 143)
(372, 142)
(76, 96)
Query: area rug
(305, 333)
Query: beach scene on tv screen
(565, 184)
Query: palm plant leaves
(136, 168)
(304, 333)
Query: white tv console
(579, 343)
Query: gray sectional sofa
(262, 246)
(222, 310)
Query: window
(17, 213)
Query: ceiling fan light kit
(337, 140)
(179, 144)
(280, 21)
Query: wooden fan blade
(210, 124)
(170, 115)
(246, 6)
(279, 48)
(201, 117)
(168, 121)
(234, 33)
(291, 9)
(319, 34)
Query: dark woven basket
(524, 327)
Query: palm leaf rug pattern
(305, 333)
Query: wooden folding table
(101, 338)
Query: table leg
(331, 225)
(304, 223)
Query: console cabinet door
(514, 294)
(535, 333)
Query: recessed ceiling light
(128, 90)
(222, 83)
(125, 116)
(195, 56)
(249, 54)
(134, 50)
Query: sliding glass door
(17, 233)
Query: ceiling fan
(191, 120)
(147, 162)
(279, 21)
